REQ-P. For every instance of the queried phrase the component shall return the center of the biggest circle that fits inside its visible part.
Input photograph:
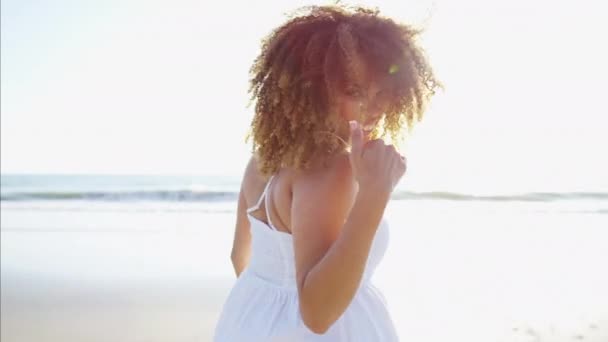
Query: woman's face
(363, 104)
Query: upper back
(309, 185)
(310, 209)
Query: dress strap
(267, 204)
(257, 205)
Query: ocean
(208, 189)
(146, 258)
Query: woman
(310, 229)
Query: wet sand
(36, 308)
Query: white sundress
(263, 303)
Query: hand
(375, 165)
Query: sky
(157, 87)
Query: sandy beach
(460, 272)
(126, 128)
(48, 309)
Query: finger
(398, 171)
(402, 165)
(356, 138)
(391, 153)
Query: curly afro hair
(315, 55)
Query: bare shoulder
(253, 180)
(335, 175)
(252, 167)
(325, 193)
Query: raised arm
(332, 239)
